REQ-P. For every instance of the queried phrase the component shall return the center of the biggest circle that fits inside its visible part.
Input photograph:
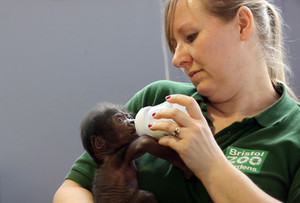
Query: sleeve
(83, 171)
(294, 193)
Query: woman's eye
(173, 43)
(192, 37)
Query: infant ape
(108, 135)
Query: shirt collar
(277, 111)
(271, 115)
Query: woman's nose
(181, 58)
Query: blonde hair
(269, 25)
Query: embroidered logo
(246, 160)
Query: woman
(241, 138)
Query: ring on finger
(176, 132)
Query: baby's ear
(98, 144)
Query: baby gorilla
(108, 135)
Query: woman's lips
(192, 73)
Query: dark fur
(108, 135)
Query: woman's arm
(225, 183)
(71, 191)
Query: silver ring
(176, 132)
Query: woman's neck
(240, 106)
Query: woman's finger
(191, 105)
(170, 141)
(170, 127)
(180, 117)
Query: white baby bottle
(144, 118)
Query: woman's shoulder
(155, 93)
(172, 87)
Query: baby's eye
(120, 120)
(191, 37)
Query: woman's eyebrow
(184, 28)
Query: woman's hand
(195, 142)
(197, 147)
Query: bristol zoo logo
(246, 160)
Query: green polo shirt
(265, 147)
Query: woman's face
(208, 50)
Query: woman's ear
(245, 21)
